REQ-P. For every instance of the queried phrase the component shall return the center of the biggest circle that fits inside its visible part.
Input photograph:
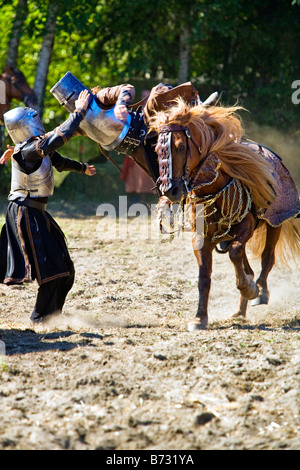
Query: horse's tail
(287, 249)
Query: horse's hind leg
(267, 263)
(243, 271)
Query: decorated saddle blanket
(287, 202)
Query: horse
(246, 194)
(14, 86)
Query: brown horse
(13, 85)
(205, 161)
(16, 86)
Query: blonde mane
(219, 129)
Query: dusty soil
(119, 370)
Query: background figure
(136, 180)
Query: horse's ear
(211, 100)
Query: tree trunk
(184, 55)
(45, 57)
(16, 32)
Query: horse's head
(179, 156)
(16, 87)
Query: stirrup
(223, 246)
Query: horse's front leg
(237, 254)
(243, 302)
(204, 258)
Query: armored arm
(66, 164)
(126, 95)
(61, 134)
(120, 94)
(65, 131)
(30, 155)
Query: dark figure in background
(137, 182)
(32, 245)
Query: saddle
(163, 95)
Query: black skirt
(32, 246)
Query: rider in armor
(32, 245)
(160, 97)
(118, 125)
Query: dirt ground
(118, 370)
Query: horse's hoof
(239, 317)
(251, 292)
(262, 298)
(197, 324)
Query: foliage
(245, 49)
(248, 51)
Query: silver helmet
(22, 123)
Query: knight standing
(32, 245)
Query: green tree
(247, 50)
(16, 33)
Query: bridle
(166, 180)
(229, 213)
(164, 152)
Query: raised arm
(66, 164)
(121, 96)
(57, 138)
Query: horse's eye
(181, 148)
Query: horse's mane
(219, 129)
